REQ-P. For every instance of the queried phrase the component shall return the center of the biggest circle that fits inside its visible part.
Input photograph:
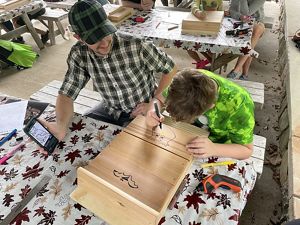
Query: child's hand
(152, 120)
(245, 19)
(201, 147)
(200, 14)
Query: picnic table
(159, 28)
(85, 140)
(28, 27)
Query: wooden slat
(250, 84)
(258, 164)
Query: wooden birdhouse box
(209, 26)
(133, 180)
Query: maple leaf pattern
(236, 216)
(72, 156)
(212, 159)
(87, 138)
(17, 160)
(116, 132)
(22, 216)
(42, 191)
(232, 167)
(77, 126)
(61, 144)
(32, 172)
(39, 211)
(8, 198)
(67, 211)
(194, 200)
(11, 174)
(210, 214)
(78, 206)
(178, 43)
(224, 200)
(212, 195)
(55, 157)
(49, 218)
(56, 188)
(199, 175)
(83, 220)
(99, 136)
(88, 151)
(2, 172)
(242, 171)
(197, 46)
(10, 187)
(63, 173)
(103, 127)
(74, 139)
(24, 191)
(245, 50)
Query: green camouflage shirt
(231, 120)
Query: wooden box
(135, 177)
(209, 26)
(6, 5)
(120, 14)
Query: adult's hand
(226, 13)
(57, 131)
(140, 109)
(202, 147)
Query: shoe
(233, 75)
(243, 77)
(45, 37)
(201, 64)
(18, 40)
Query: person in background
(139, 4)
(243, 10)
(206, 99)
(122, 70)
(198, 9)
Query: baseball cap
(89, 20)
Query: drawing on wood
(128, 178)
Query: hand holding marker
(157, 113)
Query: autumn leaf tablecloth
(86, 138)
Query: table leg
(32, 31)
(223, 59)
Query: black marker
(157, 113)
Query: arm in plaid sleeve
(159, 62)
(76, 76)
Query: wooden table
(28, 27)
(86, 138)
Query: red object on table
(139, 19)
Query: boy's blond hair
(190, 94)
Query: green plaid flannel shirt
(124, 78)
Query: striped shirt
(124, 77)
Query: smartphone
(39, 133)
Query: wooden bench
(88, 99)
(54, 16)
(256, 90)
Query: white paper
(12, 116)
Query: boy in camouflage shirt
(202, 97)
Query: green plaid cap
(89, 20)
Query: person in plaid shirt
(122, 69)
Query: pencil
(225, 163)
(172, 28)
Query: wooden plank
(247, 83)
(54, 15)
(169, 138)
(259, 141)
(12, 4)
(258, 164)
